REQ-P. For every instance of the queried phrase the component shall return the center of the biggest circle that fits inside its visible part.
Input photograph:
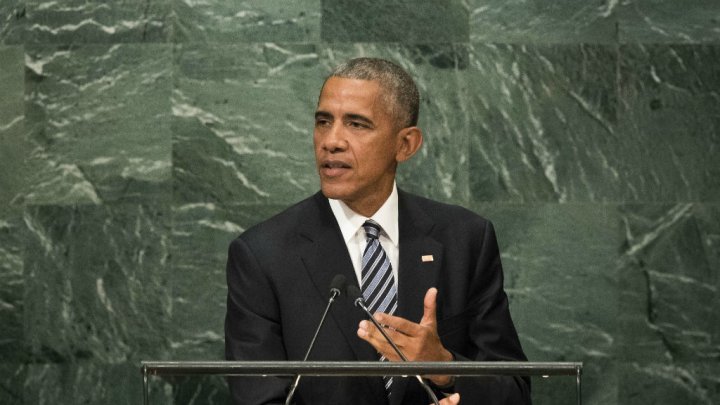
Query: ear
(410, 140)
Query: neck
(369, 206)
(366, 208)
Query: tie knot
(372, 229)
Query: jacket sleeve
(252, 327)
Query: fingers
(401, 325)
(417, 341)
(368, 332)
(453, 399)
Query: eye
(322, 122)
(357, 124)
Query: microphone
(336, 287)
(353, 291)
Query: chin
(334, 192)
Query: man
(431, 270)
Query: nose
(333, 139)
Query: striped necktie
(378, 283)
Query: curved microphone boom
(337, 285)
(354, 292)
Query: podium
(358, 369)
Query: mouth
(332, 168)
(334, 164)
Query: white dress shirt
(350, 223)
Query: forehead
(350, 95)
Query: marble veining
(13, 148)
(100, 274)
(560, 267)
(12, 21)
(98, 22)
(12, 291)
(250, 21)
(422, 21)
(100, 134)
(669, 261)
(229, 107)
(670, 107)
(652, 21)
(543, 21)
(542, 124)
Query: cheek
(387, 153)
(316, 144)
(316, 139)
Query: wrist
(443, 382)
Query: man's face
(356, 144)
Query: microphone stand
(334, 293)
(360, 302)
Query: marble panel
(670, 283)
(247, 21)
(13, 146)
(543, 21)
(81, 21)
(542, 119)
(13, 351)
(200, 238)
(12, 287)
(243, 122)
(12, 21)
(92, 383)
(440, 169)
(665, 21)
(661, 383)
(100, 117)
(12, 379)
(670, 121)
(199, 390)
(560, 264)
(406, 21)
(97, 283)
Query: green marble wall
(137, 138)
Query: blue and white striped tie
(378, 283)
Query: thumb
(453, 399)
(429, 308)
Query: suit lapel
(420, 258)
(416, 275)
(324, 256)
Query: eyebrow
(358, 117)
(322, 114)
(351, 117)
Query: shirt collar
(387, 216)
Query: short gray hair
(399, 89)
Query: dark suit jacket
(279, 273)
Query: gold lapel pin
(427, 258)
